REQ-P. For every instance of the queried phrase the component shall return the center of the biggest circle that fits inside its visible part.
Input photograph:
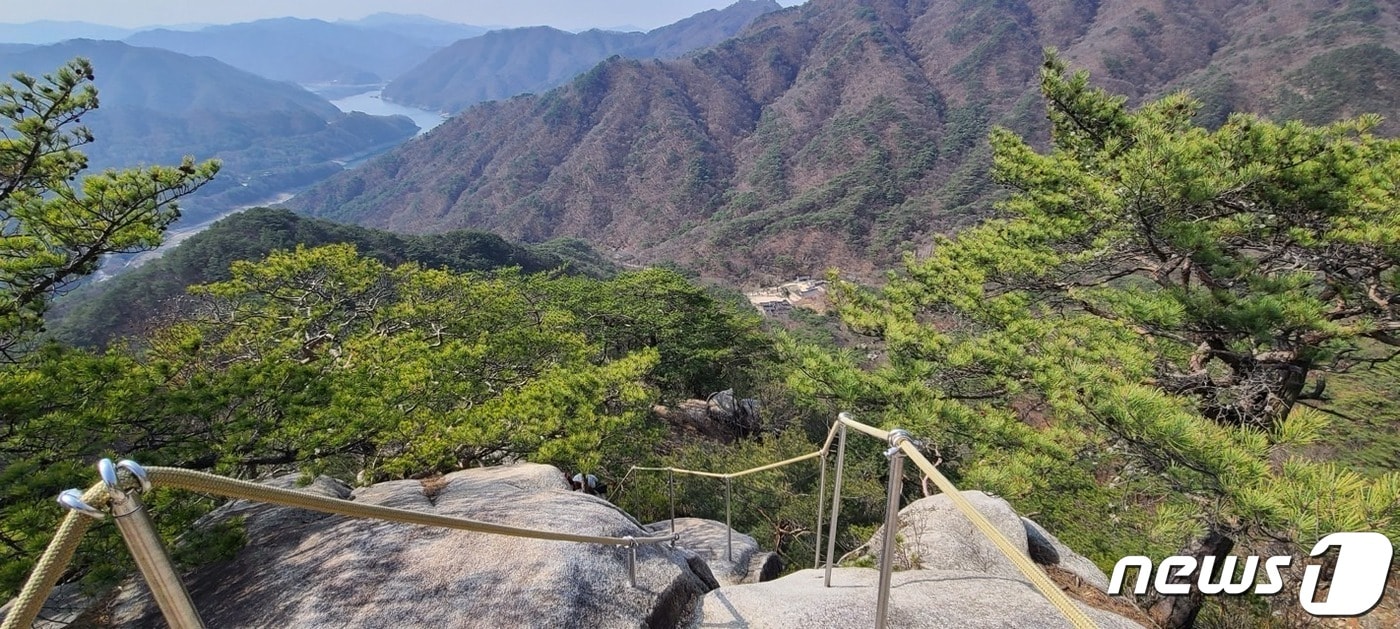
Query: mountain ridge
(504, 63)
(297, 50)
(841, 133)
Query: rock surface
(933, 534)
(1046, 550)
(301, 569)
(709, 539)
(918, 598)
(68, 605)
(722, 417)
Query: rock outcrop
(710, 540)
(721, 417)
(918, 598)
(933, 534)
(947, 575)
(306, 569)
(303, 569)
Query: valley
(1124, 272)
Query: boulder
(933, 534)
(918, 598)
(69, 604)
(1046, 550)
(302, 569)
(720, 417)
(691, 418)
(709, 539)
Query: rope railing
(141, 538)
(905, 445)
(728, 478)
(118, 496)
(901, 444)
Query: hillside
(302, 51)
(158, 106)
(841, 132)
(138, 300)
(504, 63)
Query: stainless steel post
(896, 484)
(672, 491)
(728, 528)
(835, 501)
(146, 548)
(632, 561)
(821, 498)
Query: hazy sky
(568, 14)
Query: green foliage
(135, 301)
(53, 230)
(1133, 344)
(705, 345)
(329, 361)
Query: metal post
(146, 548)
(632, 560)
(821, 498)
(835, 501)
(672, 491)
(896, 484)
(728, 528)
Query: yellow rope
(53, 563)
(243, 490)
(831, 434)
(1037, 577)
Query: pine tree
(56, 223)
(1134, 347)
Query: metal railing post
(728, 528)
(672, 491)
(146, 548)
(835, 500)
(632, 561)
(821, 498)
(896, 485)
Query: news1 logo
(1363, 565)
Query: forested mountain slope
(143, 299)
(840, 132)
(508, 62)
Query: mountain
(158, 106)
(302, 51)
(502, 64)
(51, 31)
(425, 30)
(126, 305)
(842, 132)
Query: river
(371, 103)
(368, 102)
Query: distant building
(780, 300)
(771, 305)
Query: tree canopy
(1135, 341)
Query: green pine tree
(1134, 350)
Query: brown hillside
(841, 132)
